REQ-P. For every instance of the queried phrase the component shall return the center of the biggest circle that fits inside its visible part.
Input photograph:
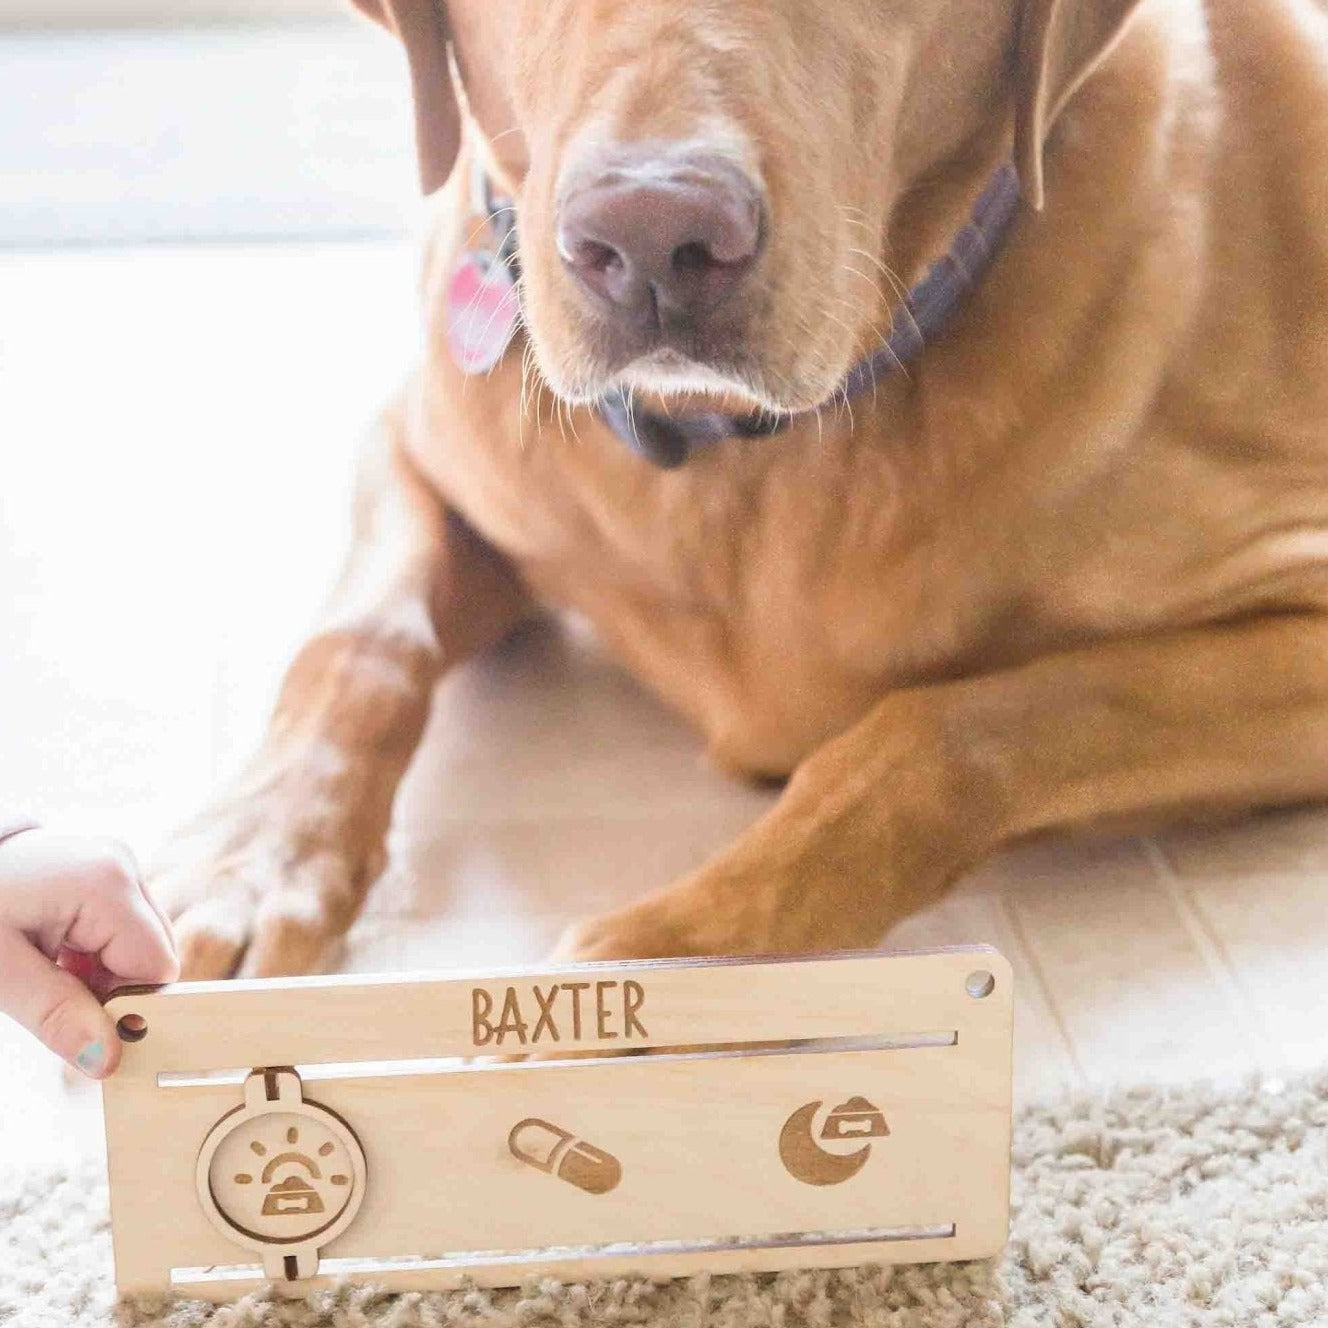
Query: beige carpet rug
(1155, 1208)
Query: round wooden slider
(281, 1176)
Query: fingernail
(92, 1059)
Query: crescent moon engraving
(805, 1160)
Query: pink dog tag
(482, 311)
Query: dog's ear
(1061, 43)
(422, 27)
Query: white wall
(111, 13)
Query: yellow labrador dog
(929, 400)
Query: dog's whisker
(883, 340)
(872, 325)
(484, 332)
(483, 228)
(872, 284)
(504, 133)
(897, 284)
(572, 413)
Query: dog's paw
(720, 912)
(251, 897)
(631, 933)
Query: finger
(155, 905)
(128, 866)
(116, 922)
(56, 1008)
(82, 893)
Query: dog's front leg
(271, 876)
(881, 820)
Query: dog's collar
(924, 313)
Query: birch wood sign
(660, 1118)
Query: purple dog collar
(925, 313)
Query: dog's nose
(662, 244)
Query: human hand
(75, 922)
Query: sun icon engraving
(280, 1177)
(293, 1183)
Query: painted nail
(91, 1059)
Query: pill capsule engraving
(549, 1148)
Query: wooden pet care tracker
(415, 1132)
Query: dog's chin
(672, 377)
(676, 382)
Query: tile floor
(175, 427)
